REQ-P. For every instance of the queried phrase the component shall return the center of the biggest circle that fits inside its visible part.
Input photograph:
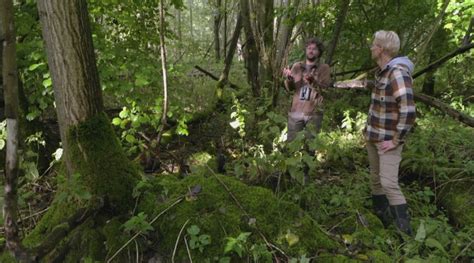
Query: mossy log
(217, 214)
(458, 200)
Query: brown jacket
(310, 99)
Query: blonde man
(391, 116)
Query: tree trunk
(250, 50)
(10, 86)
(163, 67)
(217, 22)
(180, 34)
(262, 30)
(281, 53)
(224, 32)
(95, 161)
(230, 55)
(344, 7)
(191, 29)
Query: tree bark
(191, 29)
(282, 48)
(250, 50)
(232, 47)
(93, 152)
(71, 61)
(224, 32)
(10, 86)
(462, 117)
(163, 67)
(344, 7)
(217, 22)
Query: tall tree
(343, 7)
(217, 22)
(93, 156)
(250, 49)
(229, 56)
(164, 72)
(10, 86)
(191, 23)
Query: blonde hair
(388, 41)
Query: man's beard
(312, 58)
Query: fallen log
(445, 108)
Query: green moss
(6, 257)
(115, 238)
(379, 256)
(199, 162)
(101, 162)
(457, 199)
(331, 258)
(56, 215)
(87, 242)
(216, 214)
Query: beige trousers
(384, 173)
(298, 121)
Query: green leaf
(205, 239)
(130, 138)
(291, 238)
(35, 66)
(2, 144)
(141, 81)
(116, 121)
(433, 243)
(193, 230)
(224, 260)
(421, 232)
(47, 82)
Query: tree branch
(441, 61)
(431, 101)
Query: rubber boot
(402, 220)
(381, 208)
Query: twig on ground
(187, 249)
(177, 240)
(139, 232)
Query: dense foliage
(247, 134)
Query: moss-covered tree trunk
(97, 170)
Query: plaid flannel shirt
(392, 107)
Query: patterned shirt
(392, 107)
(308, 99)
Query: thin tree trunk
(10, 86)
(344, 7)
(217, 22)
(281, 53)
(180, 33)
(163, 66)
(224, 42)
(250, 50)
(434, 28)
(232, 47)
(191, 18)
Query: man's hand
(287, 73)
(386, 146)
(309, 78)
